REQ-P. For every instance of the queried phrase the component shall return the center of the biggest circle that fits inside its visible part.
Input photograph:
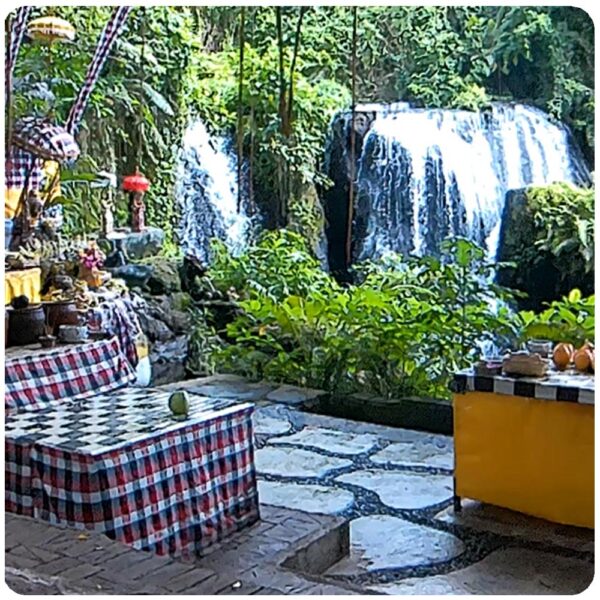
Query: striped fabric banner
(16, 36)
(107, 38)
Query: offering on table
(523, 363)
(584, 358)
(489, 367)
(72, 334)
(563, 355)
(541, 347)
(179, 405)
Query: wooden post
(240, 129)
(352, 142)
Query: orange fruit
(562, 355)
(583, 359)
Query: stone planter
(425, 414)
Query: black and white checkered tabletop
(566, 386)
(95, 425)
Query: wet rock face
(165, 275)
(167, 324)
(536, 272)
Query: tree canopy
(296, 75)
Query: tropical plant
(280, 264)
(402, 331)
(571, 319)
(564, 214)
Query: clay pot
(61, 313)
(26, 325)
(48, 341)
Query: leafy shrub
(564, 215)
(402, 331)
(280, 264)
(571, 319)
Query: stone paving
(44, 559)
(394, 486)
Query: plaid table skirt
(34, 380)
(176, 493)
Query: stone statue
(108, 218)
(137, 210)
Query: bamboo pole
(240, 112)
(352, 142)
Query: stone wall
(164, 317)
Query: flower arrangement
(92, 257)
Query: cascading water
(424, 174)
(207, 195)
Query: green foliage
(445, 56)
(571, 319)
(215, 98)
(278, 265)
(130, 102)
(564, 214)
(403, 331)
(202, 345)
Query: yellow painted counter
(18, 283)
(532, 455)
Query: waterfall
(207, 195)
(424, 174)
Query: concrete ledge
(322, 552)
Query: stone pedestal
(137, 244)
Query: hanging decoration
(50, 29)
(136, 184)
(17, 30)
(105, 43)
(17, 162)
(44, 139)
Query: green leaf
(158, 99)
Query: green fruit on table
(178, 403)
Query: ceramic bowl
(73, 333)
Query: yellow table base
(19, 283)
(529, 455)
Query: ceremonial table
(34, 377)
(121, 465)
(526, 444)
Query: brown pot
(26, 325)
(61, 313)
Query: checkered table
(34, 378)
(121, 465)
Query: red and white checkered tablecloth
(120, 465)
(33, 379)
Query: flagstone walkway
(394, 487)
